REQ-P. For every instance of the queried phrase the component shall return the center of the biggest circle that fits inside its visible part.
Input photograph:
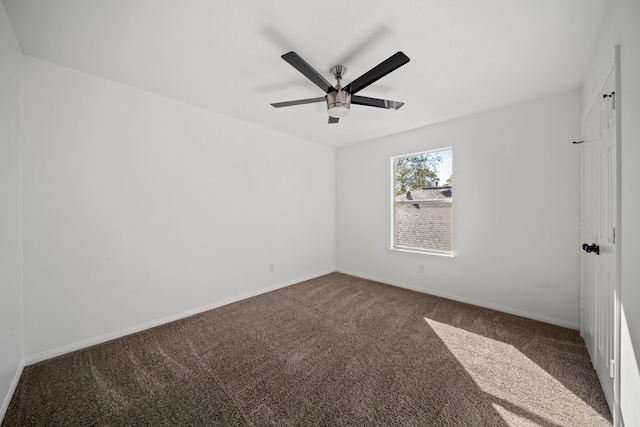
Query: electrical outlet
(421, 268)
(272, 268)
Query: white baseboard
(35, 358)
(59, 351)
(12, 389)
(521, 313)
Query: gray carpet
(333, 351)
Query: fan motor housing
(338, 103)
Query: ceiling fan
(338, 98)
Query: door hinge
(613, 100)
(612, 95)
(613, 234)
(612, 368)
(581, 303)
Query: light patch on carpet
(499, 369)
(514, 419)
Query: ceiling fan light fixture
(338, 111)
(338, 103)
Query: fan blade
(376, 102)
(376, 73)
(333, 120)
(306, 69)
(298, 102)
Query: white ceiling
(466, 56)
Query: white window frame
(392, 237)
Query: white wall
(140, 209)
(11, 329)
(515, 210)
(622, 28)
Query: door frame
(617, 307)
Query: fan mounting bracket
(338, 71)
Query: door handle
(591, 248)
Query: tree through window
(423, 201)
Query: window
(422, 217)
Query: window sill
(422, 252)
